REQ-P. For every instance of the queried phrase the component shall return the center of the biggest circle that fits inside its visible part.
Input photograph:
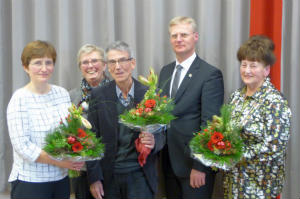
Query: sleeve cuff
(35, 155)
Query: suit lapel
(187, 79)
(112, 100)
(138, 92)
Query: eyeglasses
(91, 61)
(40, 63)
(121, 61)
(182, 35)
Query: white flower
(85, 106)
(86, 123)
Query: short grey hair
(89, 48)
(119, 46)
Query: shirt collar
(261, 90)
(188, 62)
(130, 93)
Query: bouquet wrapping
(74, 140)
(219, 144)
(151, 115)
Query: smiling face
(120, 66)
(253, 73)
(183, 40)
(92, 67)
(40, 70)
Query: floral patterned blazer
(265, 119)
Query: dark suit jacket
(104, 119)
(198, 98)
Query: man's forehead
(117, 53)
(181, 28)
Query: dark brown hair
(258, 48)
(37, 49)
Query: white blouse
(30, 117)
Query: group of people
(198, 92)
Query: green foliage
(56, 143)
(229, 155)
(161, 114)
(153, 109)
(73, 139)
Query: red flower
(150, 103)
(81, 133)
(68, 118)
(76, 147)
(227, 145)
(71, 140)
(220, 145)
(139, 111)
(205, 130)
(148, 110)
(209, 145)
(216, 137)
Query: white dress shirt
(186, 64)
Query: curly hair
(258, 48)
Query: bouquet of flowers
(150, 115)
(153, 112)
(73, 140)
(218, 144)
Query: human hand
(197, 178)
(70, 165)
(97, 190)
(147, 139)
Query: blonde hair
(183, 20)
(89, 48)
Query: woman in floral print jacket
(264, 115)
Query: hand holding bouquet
(73, 140)
(150, 115)
(219, 144)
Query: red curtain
(266, 19)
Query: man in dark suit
(198, 92)
(118, 174)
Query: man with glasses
(118, 174)
(198, 92)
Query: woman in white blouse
(34, 111)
